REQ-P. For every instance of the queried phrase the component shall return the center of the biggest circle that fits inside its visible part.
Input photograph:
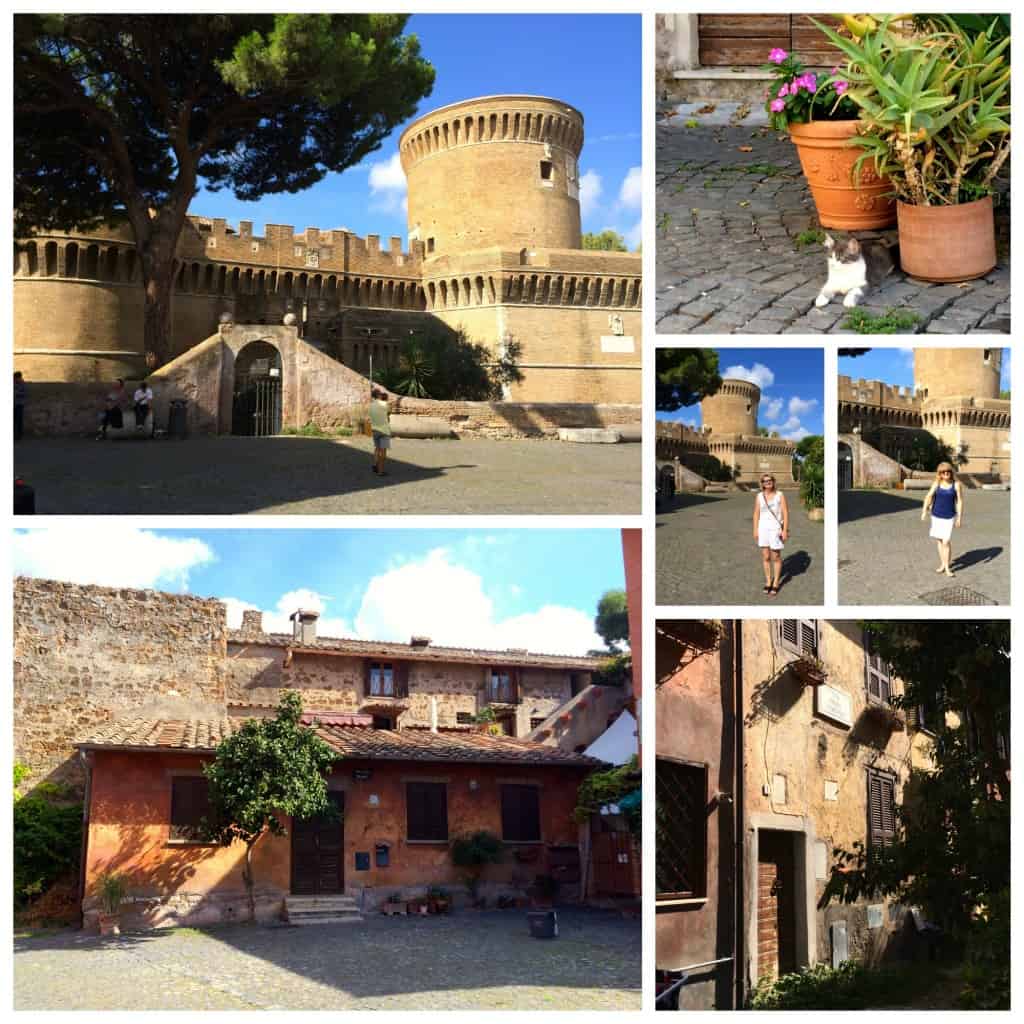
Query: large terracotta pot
(947, 243)
(827, 159)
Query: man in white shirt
(143, 399)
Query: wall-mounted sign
(617, 343)
(833, 704)
(362, 774)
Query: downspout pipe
(87, 761)
(739, 889)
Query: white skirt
(942, 529)
(769, 536)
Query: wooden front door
(318, 852)
(612, 856)
(745, 40)
(776, 904)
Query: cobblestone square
(706, 555)
(732, 205)
(298, 475)
(886, 556)
(468, 961)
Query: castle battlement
(874, 392)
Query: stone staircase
(303, 910)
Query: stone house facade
(777, 742)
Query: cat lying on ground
(854, 268)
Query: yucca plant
(934, 107)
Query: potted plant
(112, 890)
(439, 901)
(473, 853)
(886, 715)
(822, 121)
(394, 905)
(809, 670)
(934, 112)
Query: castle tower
(961, 372)
(733, 409)
(499, 171)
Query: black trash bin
(543, 924)
(24, 498)
(177, 421)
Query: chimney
(304, 626)
(419, 641)
(252, 620)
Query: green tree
(612, 620)
(608, 240)
(123, 117)
(951, 854)
(810, 458)
(683, 376)
(270, 769)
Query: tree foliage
(612, 620)
(123, 117)
(810, 452)
(607, 240)
(609, 786)
(951, 855)
(270, 769)
(684, 376)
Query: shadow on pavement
(863, 504)
(794, 565)
(977, 557)
(687, 500)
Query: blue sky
(896, 366)
(590, 61)
(488, 588)
(792, 388)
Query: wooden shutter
(514, 682)
(401, 678)
(789, 633)
(520, 814)
(881, 809)
(190, 802)
(808, 643)
(426, 805)
(366, 677)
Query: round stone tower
(733, 409)
(495, 171)
(958, 372)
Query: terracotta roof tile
(167, 733)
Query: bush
(616, 671)
(850, 986)
(609, 787)
(474, 852)
(986, 974)
(811, 452)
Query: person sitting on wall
(113, 410)
(380, 424)
(143, 399)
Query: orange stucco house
(404, 795)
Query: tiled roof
(380, 648)
(351, 741)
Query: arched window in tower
(50, 258)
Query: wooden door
(318, 852)
(776, 905)
(745, 40)
(612, 857)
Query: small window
(878, 675)
(987, 355)
(465, 718)
(255, 247)
(385, 722)
(881, 808)
(520, 814)
(928, 713)
(426, 808)
(501, 686)
(799, 636)
(536, 723)
(382, 679)
(681, 830)
(547, 170)
(190, 803)
(430, 245)
(312, 258)
(298, 250)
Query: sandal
(772, 591)
(766, 589)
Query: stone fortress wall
(495, 249)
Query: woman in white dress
(771, 529)
(945, 502)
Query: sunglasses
(768, 481)
(945, 472)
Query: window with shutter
(501, 686)
(680, 830)
(878, 674)
(881, 808)
(190, 803)
(520, 814)
(382, 679)
(402, 679)
(426, 808)
(799, 636)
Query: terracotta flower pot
(827, 159)
(947, 243)
(110, 924)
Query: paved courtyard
(705, 553)
(887, 557)
(299, 475)
(469, 961)
(731, 207)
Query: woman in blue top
(945, 502)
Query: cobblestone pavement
(705, 554)
(469, 961)
(728, 256)
(886, 556)
(310, 475)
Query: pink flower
(777, 105)
(784, 90)
(841, 87)
(777, 56)
(810, 81)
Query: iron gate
(845, 468)
(257, 411)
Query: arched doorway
(845, 466)
(256, 407)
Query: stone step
(303, 920)
(310, 903)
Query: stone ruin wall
(84, 654)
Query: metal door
(845, 467)
(318, 852)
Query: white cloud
(388, 185)
(634, 235)
(791, 424)
(114, 556)
(758, 374)
(631, 192)
(797, 434)
(801, 406)
(771, 408)
(590, 192)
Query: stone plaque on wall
(840, 947)
(876, 915)
(617, 343)
(833, 704)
